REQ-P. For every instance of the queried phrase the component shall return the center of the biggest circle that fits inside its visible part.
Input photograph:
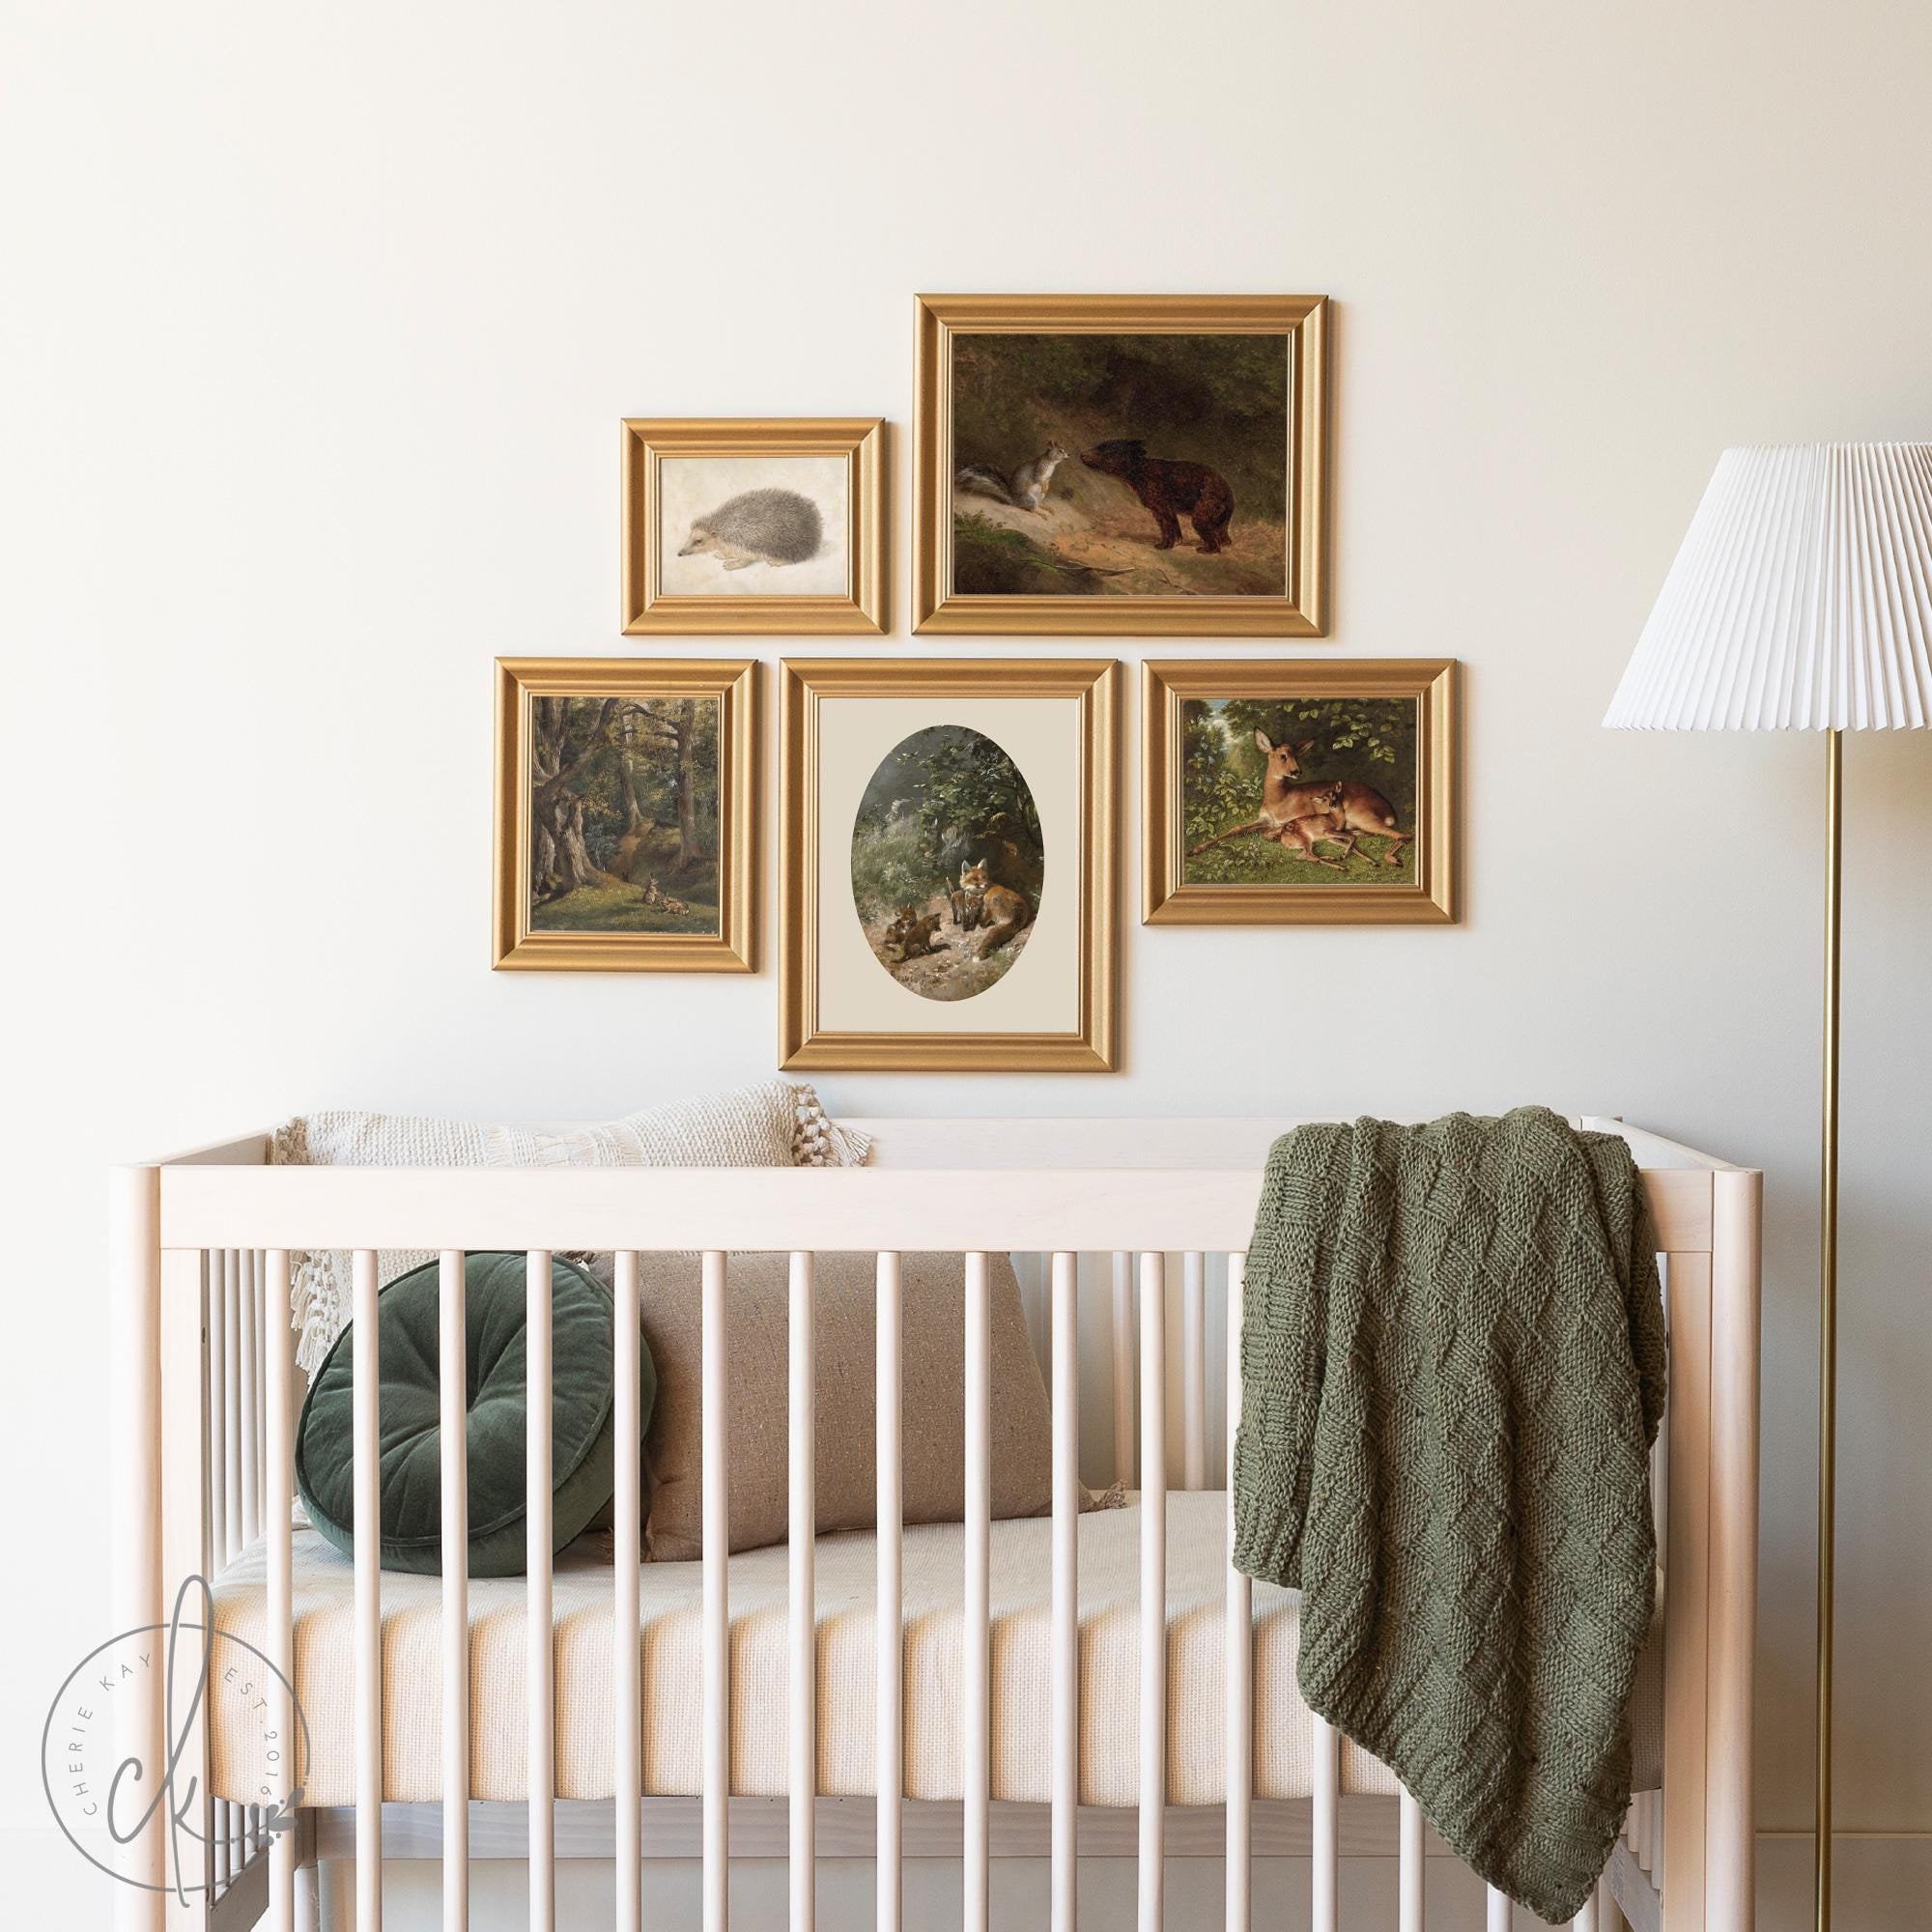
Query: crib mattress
(669, 1616)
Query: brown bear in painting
(1170, 489)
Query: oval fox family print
(947, 862)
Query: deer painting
(1300, 816)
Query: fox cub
(999, 909)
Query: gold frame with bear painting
(846, 459)
(1298, 608)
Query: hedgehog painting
(772, 527)
(749, 528)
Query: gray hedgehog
(775, 526)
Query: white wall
(315, 326)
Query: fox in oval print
(947, 862)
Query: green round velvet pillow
(583, 1470)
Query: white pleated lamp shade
(1801, 599)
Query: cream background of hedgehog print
(691, 486)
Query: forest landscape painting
(624, 814)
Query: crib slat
(265, 1316)
(1325, 1895)
(215, 1266)
(1239, 1715)
(215, 1553)
(888, 1625)
(1410, 1870)
(802, 1776)
(216, 1312)
(248, 1442)
(231, 1383)
(975, 1630)
(1123, 1354)
(1194, 1371)
(365, 1406)
(278, 1459)
(253, 1264)
(1065, 1640)
(452, 1417)
(539, 1655)
(1586, 1919)
(1498, 1918)
(627, 1517)
(717, 1655)
(1153, 1589)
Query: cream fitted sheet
(669, 1616)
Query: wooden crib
(206, 1400)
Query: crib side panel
(1708, 1226)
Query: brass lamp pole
(1801, 600)
(1828, 1310)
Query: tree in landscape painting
(624, 814)
(1366, 745)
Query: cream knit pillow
(771, 1124)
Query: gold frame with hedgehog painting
(949, 859)
(627, 823)
(756, 527)
(1122, 466)
(1291, 792)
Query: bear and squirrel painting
(1131, 465)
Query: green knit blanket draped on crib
(1452, 1372)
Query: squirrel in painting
(1025, 488)
(1170, 490)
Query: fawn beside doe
(1336, 811)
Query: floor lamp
(1802, 601)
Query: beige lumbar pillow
(773, 1124)
(933, 1400)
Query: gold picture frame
(848, 717)
(841, 465)
(1354, 712)
(633, 921)
(1300, 610)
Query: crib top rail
(954, 1185)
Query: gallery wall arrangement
(950, 832)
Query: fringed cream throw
(1452, 1372)
(772, 1124)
